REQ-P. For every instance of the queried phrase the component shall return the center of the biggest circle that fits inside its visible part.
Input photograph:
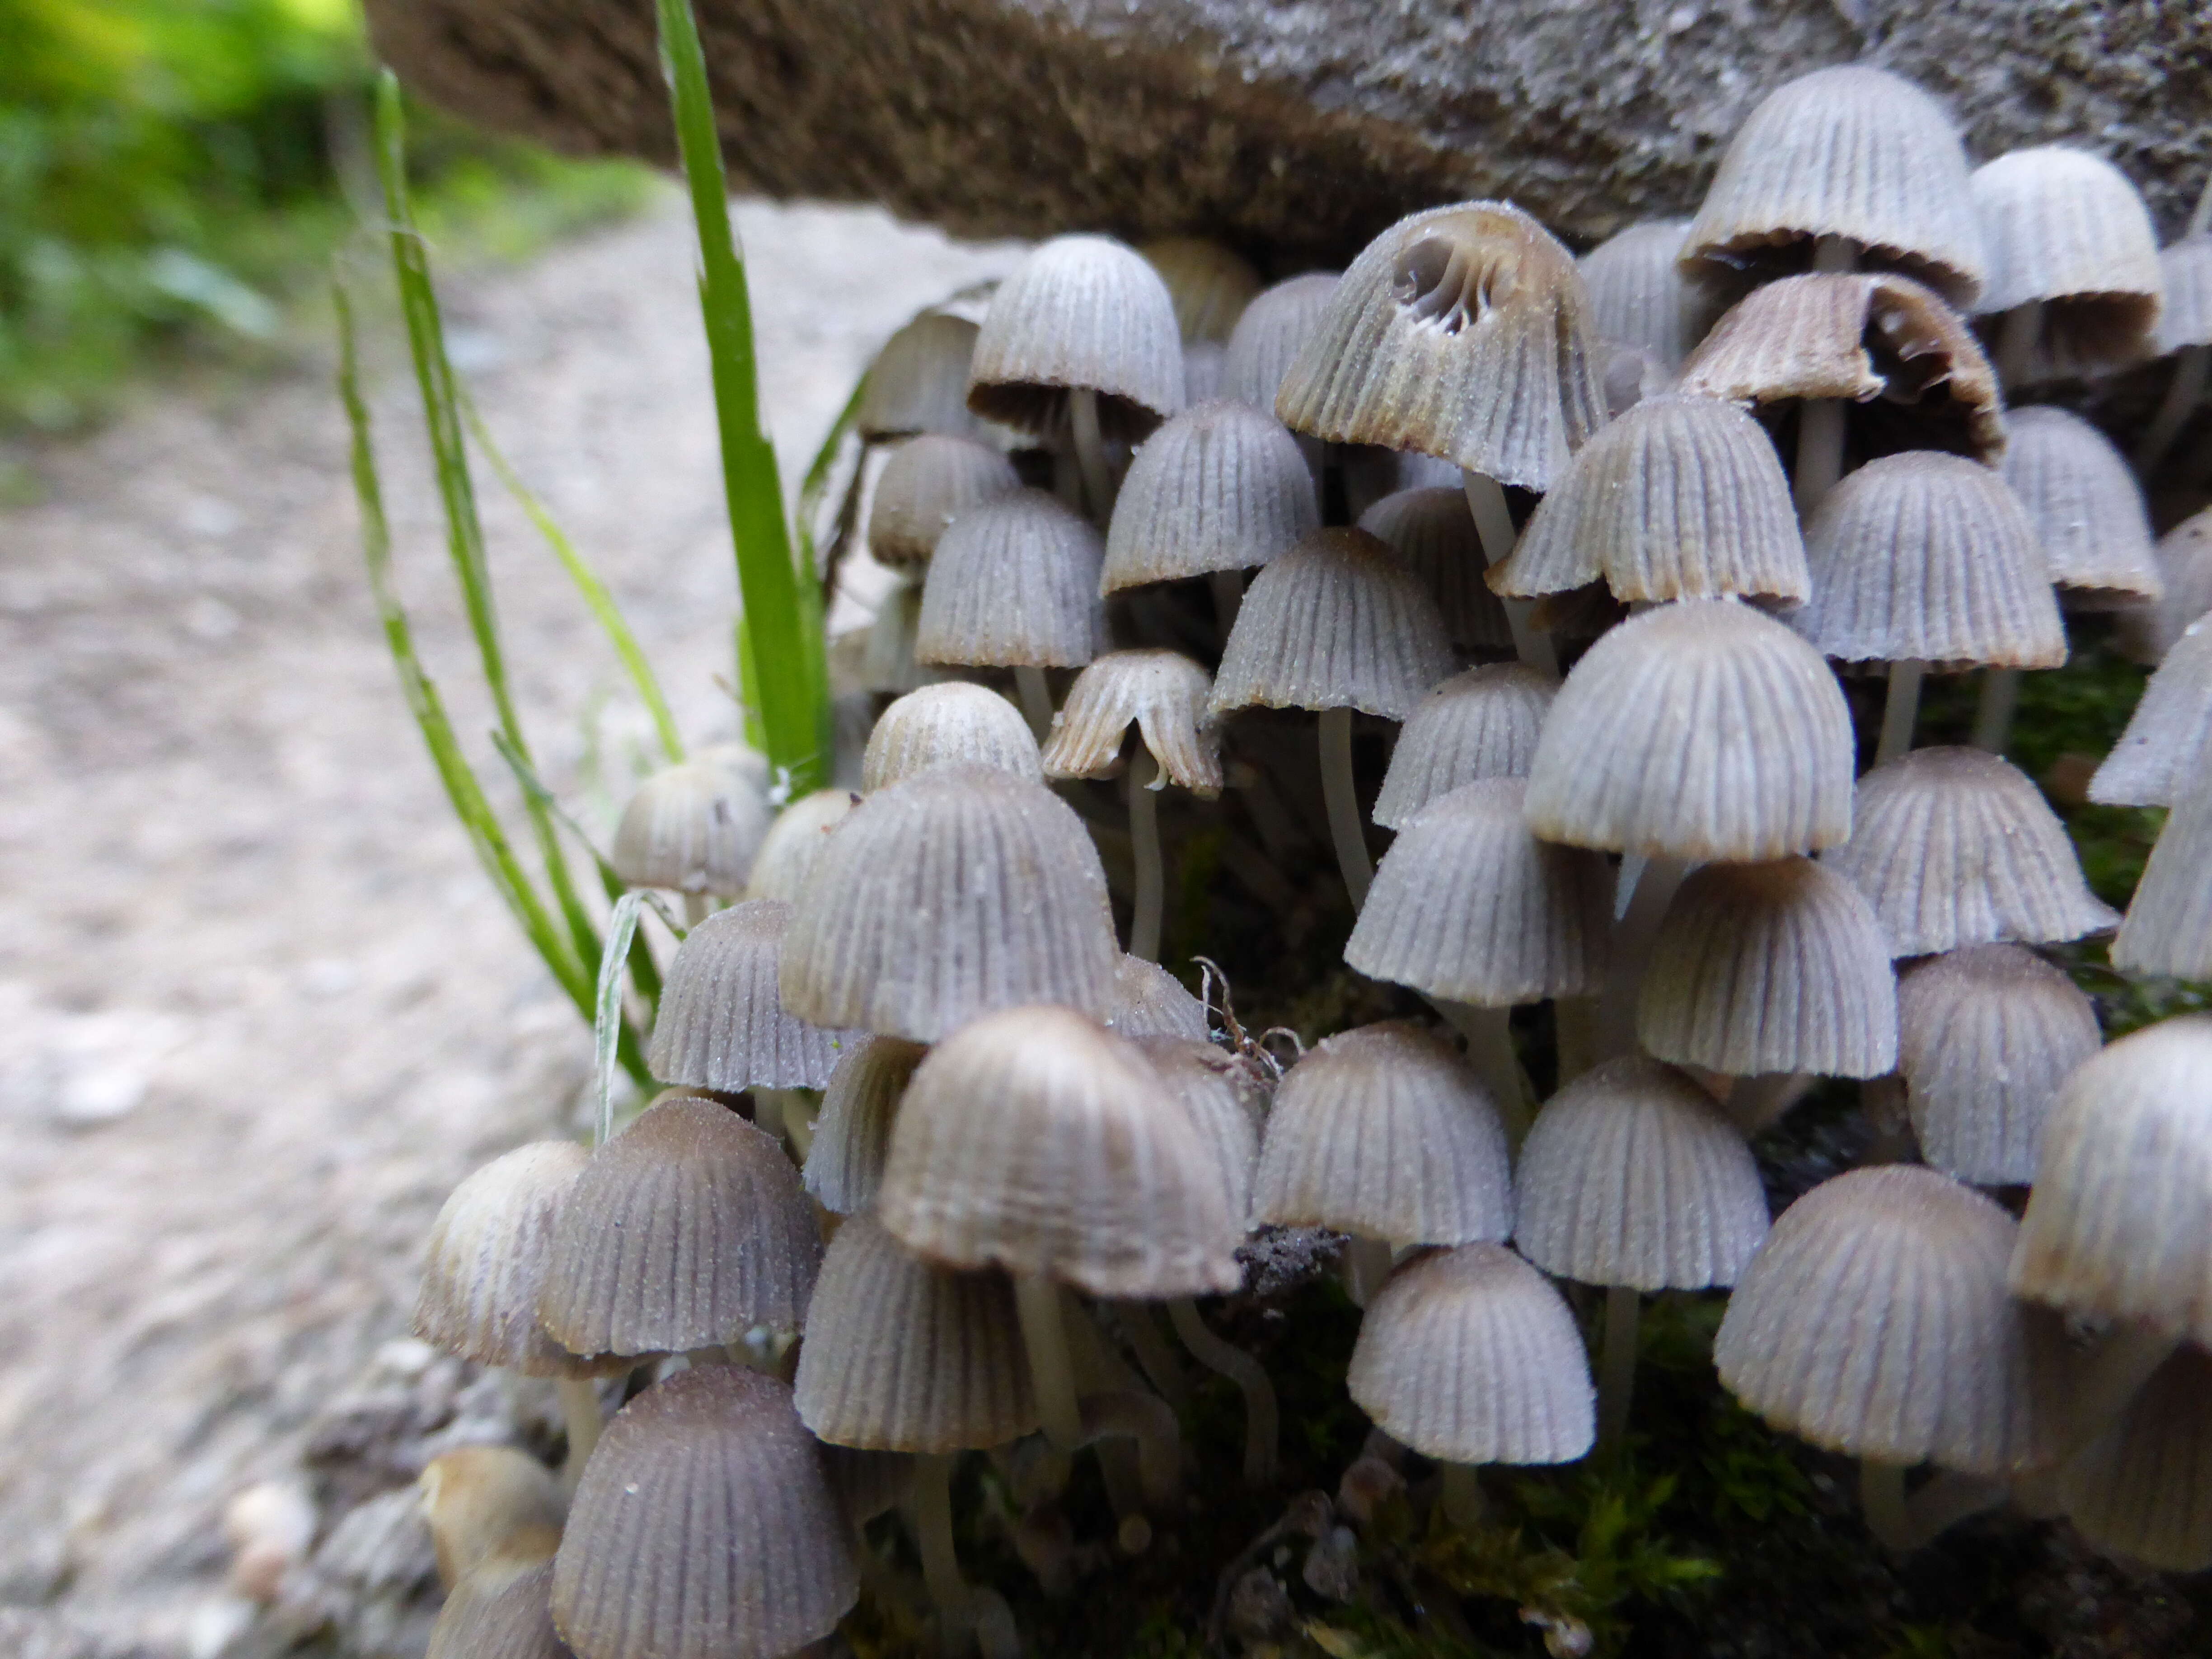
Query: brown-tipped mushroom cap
(2147, 632)
(1079, 312)
(1013, 584)
(693, 827)
(2164, 747)
(1480, 723)
(1384, 1131)
(1637, 293)
(2185, 270)
(1875, 1320)
(794, 840)
(1698, 730)
(1149, 1001)
(720, 1025)
(1226, 1096)
(2168, 928)
(1433, 531)
(928, 482)
(1631, 1175)
(2143, 1489)
(853, 1135)
(2086, 505)
(1271, 333)
(1956, 847)
(684, 1232)
(2065, 230)
(514, 1621)
(1220, 487)
(702, 1529)
(1164, 694)
(954, 724)
(962, 890)
(919, 381)
(1209, 285)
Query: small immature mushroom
(512, 1621)
(928, 482)
(493, 1512)
(1269, 335)
(2185, 333)
(2147, 633)
(2168, 928)
(793, 842)
(919, 380)
(1480, 723)
(852, 1137)
(693, 827)
(1433, 531)
(1151, 1002)
(2164, 748)
(720, 1025)
(1637, 296)
(2141, 1490)
(2086, 505)
(1209, 284)
(954, 724)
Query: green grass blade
(609, 1025)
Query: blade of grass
(609, 1024)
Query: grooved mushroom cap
(1226, 1096)
(794, 840)
(2147, 632)
(1874, 1321)
(1679, 498)
(954, 724)
(1079, 312)
(513, 1621)
(1462, 332)
(1271, 333)
(2143, 1489)
(1151, 1002)
(2164, 748)
(488, 1254)
(1480, 723)
(1164, 693)
(1432, 531)
(1631, 1175)
(693, 827)
(2168, 927)
(1470, 1355)
(1637, 293)
(1037, 1140)
(901, 1356)
(1384, 1131)
(853, 1135)
(1336, 622)
(1469, 906)
(1848, 151)
(720, 1025)
(1985, 1036)
(1209, 285)
(685, 1230)
(2122, 1205)
(962, 890)
(702, 1529)
(1221, 486)
(1013, 584)
(1698, 729)
(919, 381)
(1778, 967)
(2067, 229)
(1930, 557)
(1955, 847)
(928, 482)
(2086, 505)
(2185, 268)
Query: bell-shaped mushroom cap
(1631, 1175)
(702, 1529)
(1014, 584)
(1209, 285)
(1680, 498)
(1956, 847)
(1883, 343)
(1433, 531)
(794, 840)
(1849, 151)
(1226, 1096)
(919, 381)
(684, 1232)
(1151, 1002)
(1985, 1036)
(1271, 333)
(2065, 229)
(488, 1254)
(2147, 632)
(954, 724)
(2185, 268)
(720, 1025)
(2143, 1489)
(512, 1621)
(901, 1356)
(1480, 723)
(1778, 967)
(853, 1135)
(2086, 505)
(928, 482)
(1164, 693)
(962, 889)
(1384, 1131)
(2122, 1203)
(1469, 906)
(1698, 730)
(1875, 1320)
(1637, 295)
(1336, 622)
(1470, 1355)
(693, 827)
(1221, 487)
(1079, 312)
(1036, 1140)
(1463, 332)
(2168, 927)
(1928, 556)
(2164, 748)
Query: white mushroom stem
(1821, 420)
(1900, 710)
(1993, 713)
(2016, 337)
(1341, 796)
(1633, 937)
(1036, 701)
(1090, 453)
(2182, 393)
(1228, 587)
(1262, 1417)
(580, 1411)
(1045, 1336)
(1464, 1503)
(1882, 1501)
(1493, 528)
(930, 1514)
(1148, 1421)
(1366, 1265)
(1616, 1374)
(1145, 840)
(1489, 1035)
(1154, 1356)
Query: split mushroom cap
(853, 1135)
(1699, 730)
(1226, 1096)
(2066, 230)
(2086, 505)
(720, 1025)
(1149, 1001)
(1271, 333)
(1164, 694)
(2185, 271)
(1849, 151)
(514, 1621)
(2165, 745)
(2168, 927)
(1637, 293)
(1986, 1034)
(901, 1356)
(1336, 622)
(1875, 1320)
(962, 890)
(1462, 332)
(794, 840)
(1468, 905)
(693, 827)
(1680, 498)
(1384, 1131)
(919, 381)
(1014, 583)
(1037, 1140)
(685, 1230)
(1955, 847)
(703, 1528)
(929, 481)
(2147, 633)
(954, 724)
(1631, 1175)
(2143, 1489)
(1480, 723)
(1433, 531)
(1472, 1356)
(1221, 486)
(1778, 967)
(1079, 312)
(1209, 285)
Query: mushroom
(919, 381)
(1269, 335)
(1433, 531)
(954, 724)
(2147, 632)
(787, 852)
(493, 1513)
(1480, 723)
(929, 481)
(2086, 505)
(2139, 1490)
(2185, 333)
(2164, 748)
(2168, 928)
(514, 1621)
(852, 1137)
(1209, 285)
(1638, 295)
(693, 828)
(1151, 1002)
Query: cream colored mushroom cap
(693, 827)
(1221, 486)
(794, 840)
(1482, 723)
(1013, 583)
(954, 724)
(929, 481)
(919, 380)
(1269, 335)
(1079, 312)
(2086, 505)
(1637, 293)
